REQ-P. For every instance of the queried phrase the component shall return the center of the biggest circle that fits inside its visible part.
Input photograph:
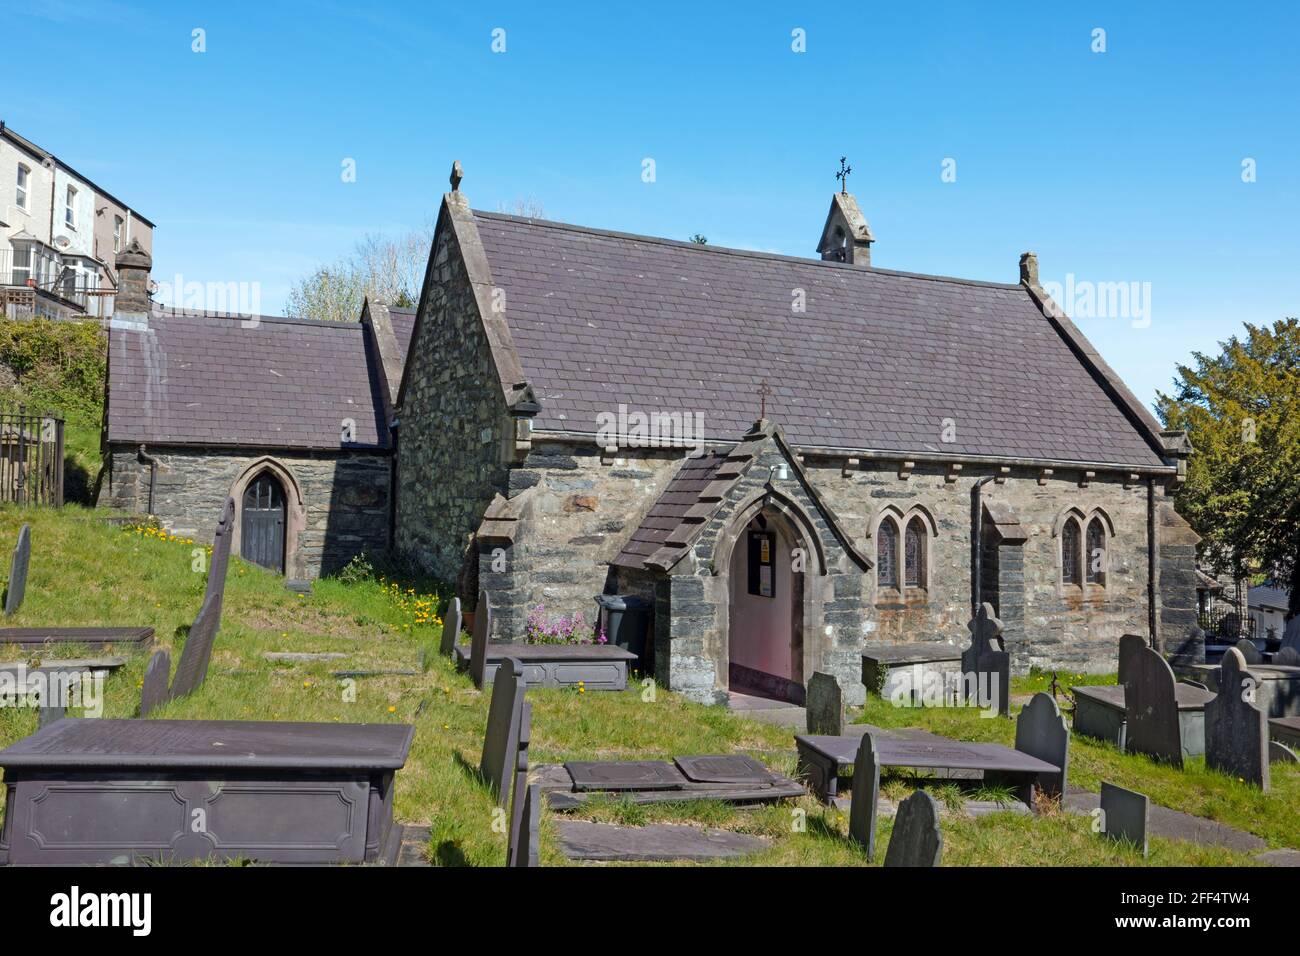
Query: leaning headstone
(1249, 651)
(866, 794)
(1236, 731)
(518, 790)
(501, 741)
(479, 639)
(1129, 645)
(825, 705)
(1041, 733)
(154, 691)
(1286, 657)
(450, 628)
(1124, 815)
(524, 851)
(916, 840)
(18, 571)
(193, 666)
(986, 664)
(1152, 709)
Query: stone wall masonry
(454, 429)
(345, 497)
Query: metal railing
(31, 457)
(44, 272)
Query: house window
(1094, 571)
(914, 554)
(887, 554)
(117, 234)
(1071, 554)
(70, 208)
(20, 193)
(22, 263)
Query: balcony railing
(47, 273)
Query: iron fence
(31, 457)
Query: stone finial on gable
(1029, 269)
(457, 174)
(846, 237)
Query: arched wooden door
(261, 538)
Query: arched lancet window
(1071, 554)
(914, 554)
(1095, 554)
(887, 554)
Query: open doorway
(765, 614)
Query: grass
(86, 571)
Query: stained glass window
(914, 554)
(887, 554)
(1095, 572)
(1071, 573)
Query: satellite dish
(62, 242)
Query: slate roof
(194, 378)
(403, 325)
(877, 362)
(1267, 596)
(664, 516)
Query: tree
(1241, 409)
(700, 240)
(386, 270)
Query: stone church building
(792, 458)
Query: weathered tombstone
(1041, 733)
(866, 794)
(518, 792)
(1124, 815)
(193, 666)
(1152, 709)
(154, 691)
(22, 558)
(986, 663)
(1249, 651)
(450, 628)
(916, 840)
(1129, 645)
(1236, 731)
(1286, 657)
(524, 851)
(501, 740)
(479, 639)
(825, 705)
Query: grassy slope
(85, 571)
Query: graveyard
(366, 650)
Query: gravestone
(48, 715)
(1281, 753)
(524, 851)
(865, 796)
(916, 840)
(154, 691)
(22, 558)
(624, 775)
(193, 666)
(825, 705)
(1124, 815)
(1129, 645)
(1236, 731)
(1291, 633)
(479, 639)
(986, 663)
(518, 794)
(1151, 709)
(450, 628)
(1249, 651)
(501, 740)
(1041, 733)
(725, 768)
(1286, 657)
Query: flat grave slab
(31, 638)
(900, 670)
(728, 768)
(583, 840)
(595, 666)
(823, 759)
(1285, 730)
(1175, 825)
(1101, 713)
(83, 792)
(557, 783)
(624, 775)
(1277, 690)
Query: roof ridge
(744, 253)
(166, 312)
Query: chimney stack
(131, 303)
(846, 237)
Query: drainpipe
(977, 542)
(152, 462)
(1151, 561)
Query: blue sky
(1118, 167)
